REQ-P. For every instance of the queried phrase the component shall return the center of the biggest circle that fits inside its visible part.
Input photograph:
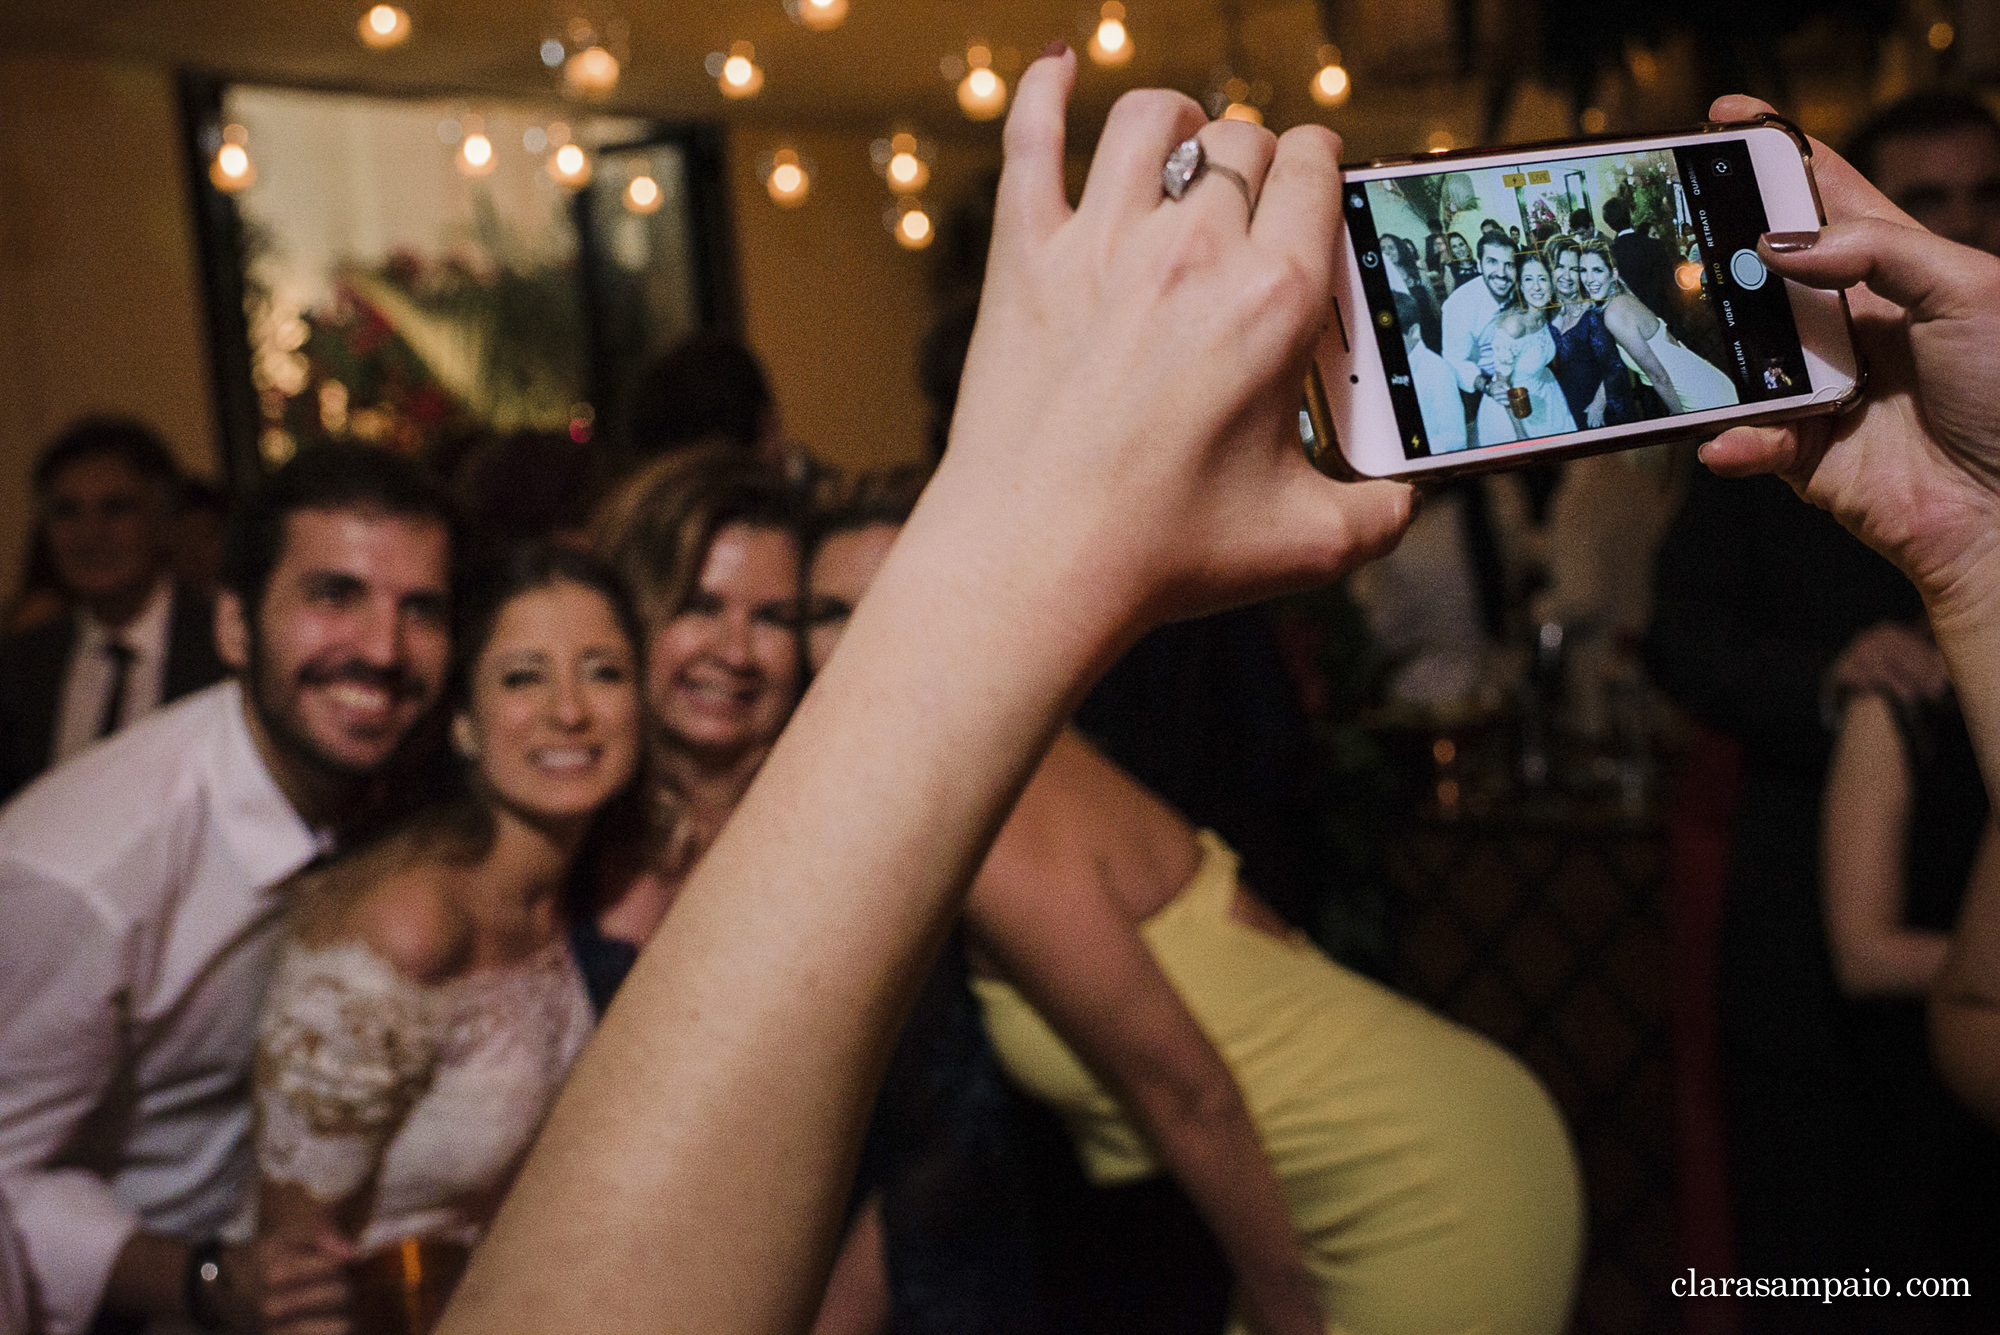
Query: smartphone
(1499, 306)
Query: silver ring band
(1188, 163)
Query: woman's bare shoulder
(399, 901)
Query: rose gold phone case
(1325, 451)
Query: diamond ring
(1188, 163)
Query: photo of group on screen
(1549, 299)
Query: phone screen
(1533, 301)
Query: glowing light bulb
(1593, 120)
(907, 172)
(1441, 141)
(913, 227)
(740, 75)
(232, 169)
(1688, 275)
(475, 155)
(1331, 86)
(644, 195)
(384, 26)
(821, 15)
(982, 94)
(1111, 44)
(1242, 111)
(1941, 35)
(787, 181)
(591, 72)
(570, 166)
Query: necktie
(121, 657)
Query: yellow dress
(1429, 1175)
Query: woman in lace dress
(425, 1008)
(1523, 351)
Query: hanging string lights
(569, 167)
(475, 151)
(909, 223)
(737, 74)
(787, 178)
(818, 15)
(1330, 84)
(643, 194)
(588, 48)
(231, 170)
(384, 26)
(1111, 44)
(982, 94)
(903, 161)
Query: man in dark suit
(104, 492)
(1645, 264)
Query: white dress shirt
(1468, 322)
(140, 929)
(87, 684)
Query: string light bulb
(818, 15)
(737, 74)
(475, 154)
(1330, 84)
(232, 171)
(1111, 44)
(787, 179)
(592, 72)
(384, 26)
(569, 166)
(903, 161)
(643, 194)
(982, 94)
(910, 225)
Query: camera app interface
(1518, 303)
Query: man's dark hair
(707, 387)
(1617, 214)
(361, 478)
(130, 442)
(1497, 240)
(1579, 221)
(1407, 313)
(1916, 115)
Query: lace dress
(434, 1093)
(1524, 363)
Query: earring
(464, 740)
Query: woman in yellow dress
(1367, 1167)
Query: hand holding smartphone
(1498, 306)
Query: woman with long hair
(425, 1008)
(1365, 1165)
(1524, 401)
(1684, 382)
(708, 541)
(1593, 376)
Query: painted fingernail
(1056, 48)
(1785, 243)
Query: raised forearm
(1965, 617)
(1965, 1003)
(696, 1162)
